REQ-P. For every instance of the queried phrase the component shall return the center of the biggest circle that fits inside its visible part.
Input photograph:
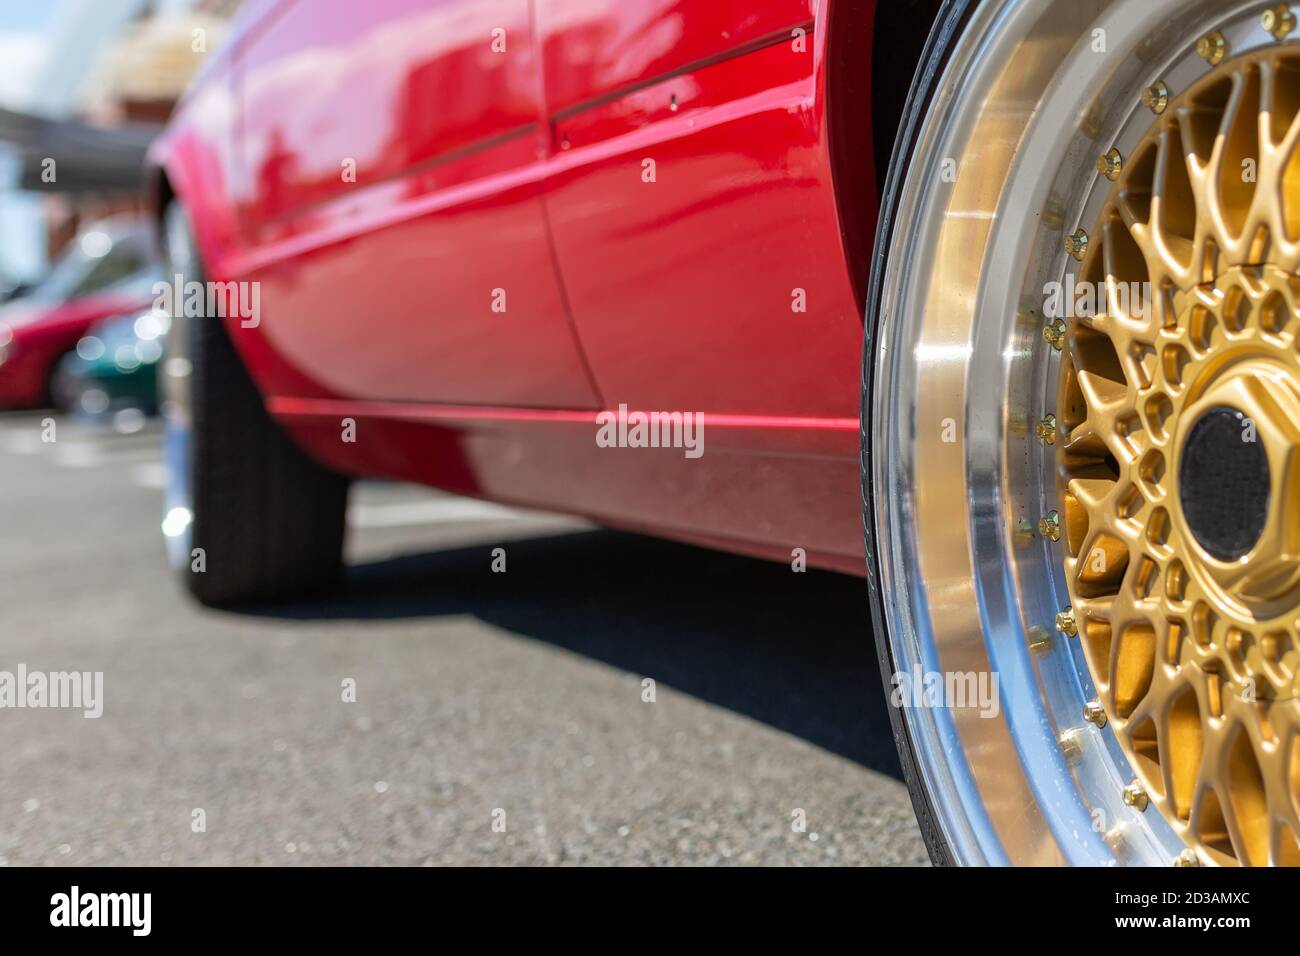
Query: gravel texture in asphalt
(499, 718)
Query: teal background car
(114, 366)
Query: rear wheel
(1081, 391)
(248, 516)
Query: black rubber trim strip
(809, 27)
(944, 35)
(406, 172)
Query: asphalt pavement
(499, 718)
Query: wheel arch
(873, 49)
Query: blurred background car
(110, 269)
(11, 288)
(114, 367)
(85, 87)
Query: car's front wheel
(1081, 397)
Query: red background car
(111, 268)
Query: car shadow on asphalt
(793, 651)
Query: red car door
(692, 208)
(391, 206)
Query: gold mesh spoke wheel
(1179, 409)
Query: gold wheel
(1179, 418)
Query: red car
(109, 268)
(1011, 284)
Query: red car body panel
(703, 271)
(44, 334)
(714, 279)
(382, 244)
(591, 50)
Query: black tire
(947, 28)
(269, 520)
(60, 391)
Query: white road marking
(77, 454)
(114, 455)
(23, 442)
(76, 444)
(151, 474)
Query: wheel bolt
(1117, 838)
(1279, 21)
(1094, 713)
(1071, 744)
(1156, 97)
(1049, 526)
(1076, 244)
(1110, 164)
(1212, 48)
(1046, 429)
(1065, 622)
(1135, 796)
(1039, 639)
(1054, 334)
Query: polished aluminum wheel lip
(178, 507)
(178, 512)
(1025, 105)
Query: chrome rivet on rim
(1045, 429)
(1212, 48)
(1135, 796)
(1039, 638)
(1053, 214)
(1187, 858)
(1116, 837)
(1156, 97)
(1094, 713)
(1071, 744)
(1110, 164)
(1279, 21)
(1065, 622)
(1076, 244)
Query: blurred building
(141, 75)
(112, 72)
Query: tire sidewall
(944, 35)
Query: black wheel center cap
(1223, 483)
